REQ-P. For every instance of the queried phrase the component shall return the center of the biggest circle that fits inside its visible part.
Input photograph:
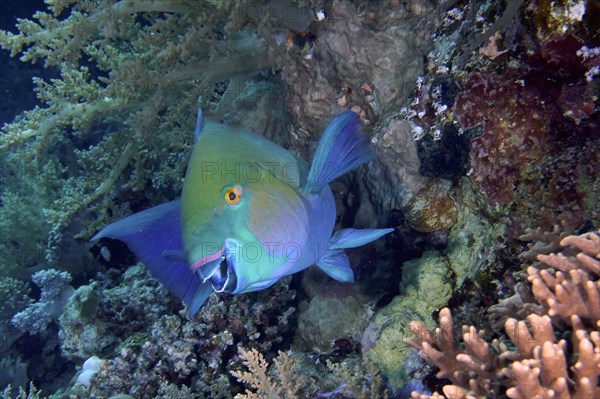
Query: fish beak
(206, 271)
(220, 272)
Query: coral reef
(55, 292)
(532, 131)
(336, 312)
(97, 316)
(431, 208)
(23, 226)
(196, 353)
(398, 166)
(296, 376)
(14, 371)
(517, 108)
(522, 143)
(540, 362)
(536, 108)
(14, 298)
(130, 77)
(484, 120)
(30, 393)
(364, 56)
(428, 282)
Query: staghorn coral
(539, 361)
(543, 367)
(476, 367)
(573, 287)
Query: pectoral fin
(154, 235)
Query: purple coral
(537, 148)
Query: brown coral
(538, 363)
(571, 287)
(287, 385)
(474, 368)
(538, 113)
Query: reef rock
(337, 313)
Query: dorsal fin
(199, 125)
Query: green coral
(425, 286)
(118, 119)
(26, 188)
(429, 281)
(14, 298)
(31, 393)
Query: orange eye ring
(233, 195)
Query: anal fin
(335, 264)
(352, 238)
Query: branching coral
(572, 286)
(14, 298)
(539, 361)
(31, 393)
(474, 369)
(361, 380)
(542, 365)
(121, 112)
(288, 383)
(296, 374)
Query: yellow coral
(287, 385)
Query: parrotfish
(250, 213)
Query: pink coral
(537, 364)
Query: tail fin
(341, 149)
(154, 235)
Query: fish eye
(233, 195)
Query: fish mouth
(220, 272)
